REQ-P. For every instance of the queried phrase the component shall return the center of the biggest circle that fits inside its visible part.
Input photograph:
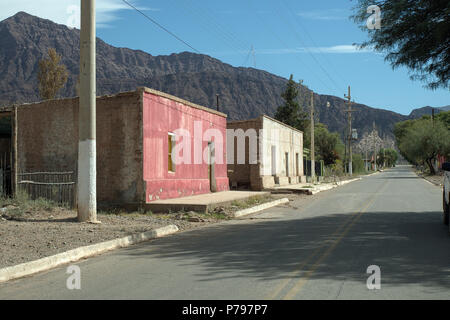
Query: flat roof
(267, 117)
(177, 99)
(10, 108)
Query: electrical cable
(160, 26)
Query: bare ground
(32, 232)
(437, 179)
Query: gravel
(30, 233)
(34, 235)
(434, 179)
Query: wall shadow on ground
(410, 247)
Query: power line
(248, 56)
(298, 21)
(228, 32)
(160, 26)
(209, 25)
(299, 38)
(265, 24)
(208, 20)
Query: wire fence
(59, 187)
(5, 175)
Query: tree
(414, 34)
(424, 141)
(326, 144)
(387, 157)
(290, 112)
(52, 75)
(357, 163)
(443, 116)
(403, 129)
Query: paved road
(317, 248)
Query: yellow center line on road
(347, 225)
(297, 287)
(310, 257)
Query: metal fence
(318, 167)
(59, 187)
(5, 175)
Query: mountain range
(244, 92)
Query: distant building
(263, 153)
(150, 145)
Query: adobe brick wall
(244, 174)
(259, 176)
(47, 140)
(163, 115)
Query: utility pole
(348, 96)
(345, 152)
(87, 171)
(313, 165)
(374, 149)
(366, 166)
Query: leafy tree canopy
(327, 146)
(414, 34)
(423, 141)
(52, 75)
(291, 113)
(387, 157)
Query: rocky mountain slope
(244, 92)
(417, 113)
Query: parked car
(446, 192)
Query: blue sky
(310, 39)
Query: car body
(446, 193)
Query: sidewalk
(310, 188)
(202, 202)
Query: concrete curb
(29, 268)
(348, 181)
(260, 207)
(331, 186)
(431, 182)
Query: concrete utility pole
(350, 168)
(313, 165)
(374, 148)
(87, 171)
(366, 162)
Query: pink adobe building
(150, 145)
(171, 121)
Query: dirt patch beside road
(36, 230)
(437, 180)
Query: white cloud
(67, 11)
(329, 14)
(347, 48)
(332, 49)
(339, 49)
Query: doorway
(211, 167)
(274, 160)
(6, 158)
(287, 163)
